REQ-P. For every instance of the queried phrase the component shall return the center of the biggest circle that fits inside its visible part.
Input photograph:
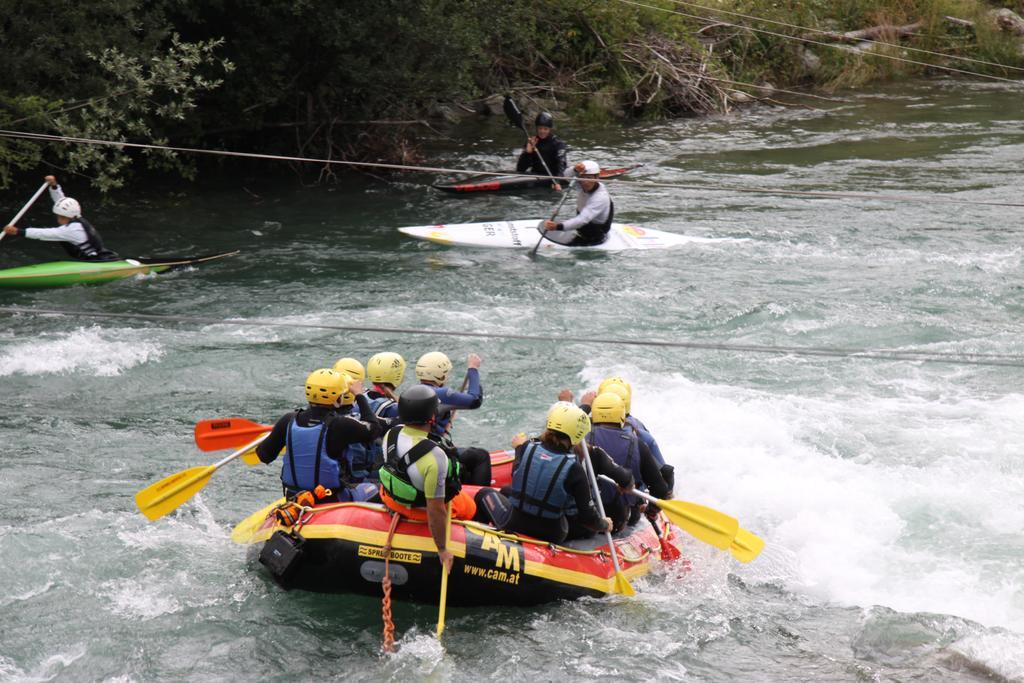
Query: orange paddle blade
(230, 432)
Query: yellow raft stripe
(341, 532)
(582, 579)
(540, 570)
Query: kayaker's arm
(268, 450)
(72, 232)
(598, 205)
(370, 425)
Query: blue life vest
(538, 483)
(364, 459)
(623, 446)
(306, 463)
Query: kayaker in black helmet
(549, 146)
(79, 239)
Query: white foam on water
(1000, 653)
(142, 600)
(911, 521)
(92, 350)
(49, 669)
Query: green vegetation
(353, 79)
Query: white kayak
(523, 234)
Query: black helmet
(417, 404)
(544, 119)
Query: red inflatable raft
(341, 546)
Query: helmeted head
(620, 387)
(68, 208)
(418, 405)
(544, 123)
(568, 419)
(608, 408)
(433, 367)
(588, 169)
(325, 387)
(386, 368)
(354, 369)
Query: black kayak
(511, 183)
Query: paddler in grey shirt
(594, 212)
(79, 239)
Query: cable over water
(914, 355)
(42, 137)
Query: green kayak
(64, 273)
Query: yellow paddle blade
(166, 495)
(250, 458)
(244, 530)
(703, 523)
(623, 586)
(746, 546)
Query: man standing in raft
(79, 239)
(544, 145)
(594, 212)
(418, 477)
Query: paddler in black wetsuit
(549, 147)
(594, 212)
(79, 239)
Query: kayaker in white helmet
(594, 212)
(79, 239)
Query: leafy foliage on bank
(358, 80)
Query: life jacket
(360, 460)
(394, 475)
(366, 459)
(306, 462)
(623, 446)
(538, 483)
(593, 232)
(92, 248)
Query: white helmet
(590, 168)
(68, 207)
(433, 367)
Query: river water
(889, 492)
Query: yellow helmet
(323, 386)
(567, 418)
(608, 407)
(386, 368)
(433, 367)
(618, 386)
(354, 369)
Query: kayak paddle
(621, 582)
(515, 117)
(24, 209)
(703, 523)
(544, 232)
(168, 494)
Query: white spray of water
(92, 350)
(915, 520)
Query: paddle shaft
(443, 600)
(208, 472)
(543, 231)
(518, 122)
(640, 494)
(27, 206)
(600, 504)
